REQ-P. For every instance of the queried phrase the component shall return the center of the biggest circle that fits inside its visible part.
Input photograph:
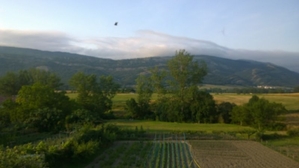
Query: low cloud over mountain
(144, 43)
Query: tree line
(180, 99)
(34, 100)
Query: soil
(233, 153)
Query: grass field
(159, 126)
(289, 100)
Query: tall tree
(157, 78)
(144, 90)
(185, 72)
(94, 95)
(186, 75)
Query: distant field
(289, 100)
(158, 126)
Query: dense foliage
(33, 101)
(60, 151)
(179, 98)
(258, 113)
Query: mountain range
(221, 71)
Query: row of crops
(165, 151)
(170, 155)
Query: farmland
(227, 151)
(173, 150)
(166, 150)
(245, 154)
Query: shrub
(293, 132)
(277, 127)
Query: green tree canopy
(258, 112)
(11, 83)
(183, 101)
(42, 107)
(94, 94)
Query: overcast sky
(261, 30)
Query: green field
(159, 126)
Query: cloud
(145, 43)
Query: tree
(186, 75)
(264, 112)
(157, 78)
(93, 95)
(296, 89)
(41, 76)
(11, 83)
(258, 113)
(203, 107)
(133, 108)
(224, 110)
(241, 115)
(42, 107)
(141, 108)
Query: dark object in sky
(115, 24)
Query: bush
(85, 150)
(14, 158)
(293, 132)
(277, 127)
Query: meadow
(159, 126)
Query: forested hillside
(221, 71)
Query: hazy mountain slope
(221, 71)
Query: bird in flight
(115, 24)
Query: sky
(266, 31)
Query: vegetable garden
(165, 151)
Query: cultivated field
(173, 152)
(165, 151)
(245, 154)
